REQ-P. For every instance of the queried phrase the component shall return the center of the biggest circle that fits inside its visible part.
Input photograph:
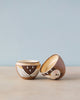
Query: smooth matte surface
(36, 29)
(12, 87)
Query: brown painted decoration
(53, 67)
(28, 69)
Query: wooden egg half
(28, 69)
(53, 67)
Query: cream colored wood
(12, 87)
(50, 62)
(27, 62)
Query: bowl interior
(49, 63)
(28, 61)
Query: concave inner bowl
(49, 63)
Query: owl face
(28, 71)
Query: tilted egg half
(53, 67)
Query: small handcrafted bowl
(28, 69)
(53, 67)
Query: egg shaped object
(53, 67)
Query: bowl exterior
(57, 71)
(27, 71)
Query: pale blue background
(36, 29)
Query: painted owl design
(27, 71)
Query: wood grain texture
(12, 87)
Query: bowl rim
(27, 62)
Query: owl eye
(30, 70)
(27, 67)
(57, 74)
